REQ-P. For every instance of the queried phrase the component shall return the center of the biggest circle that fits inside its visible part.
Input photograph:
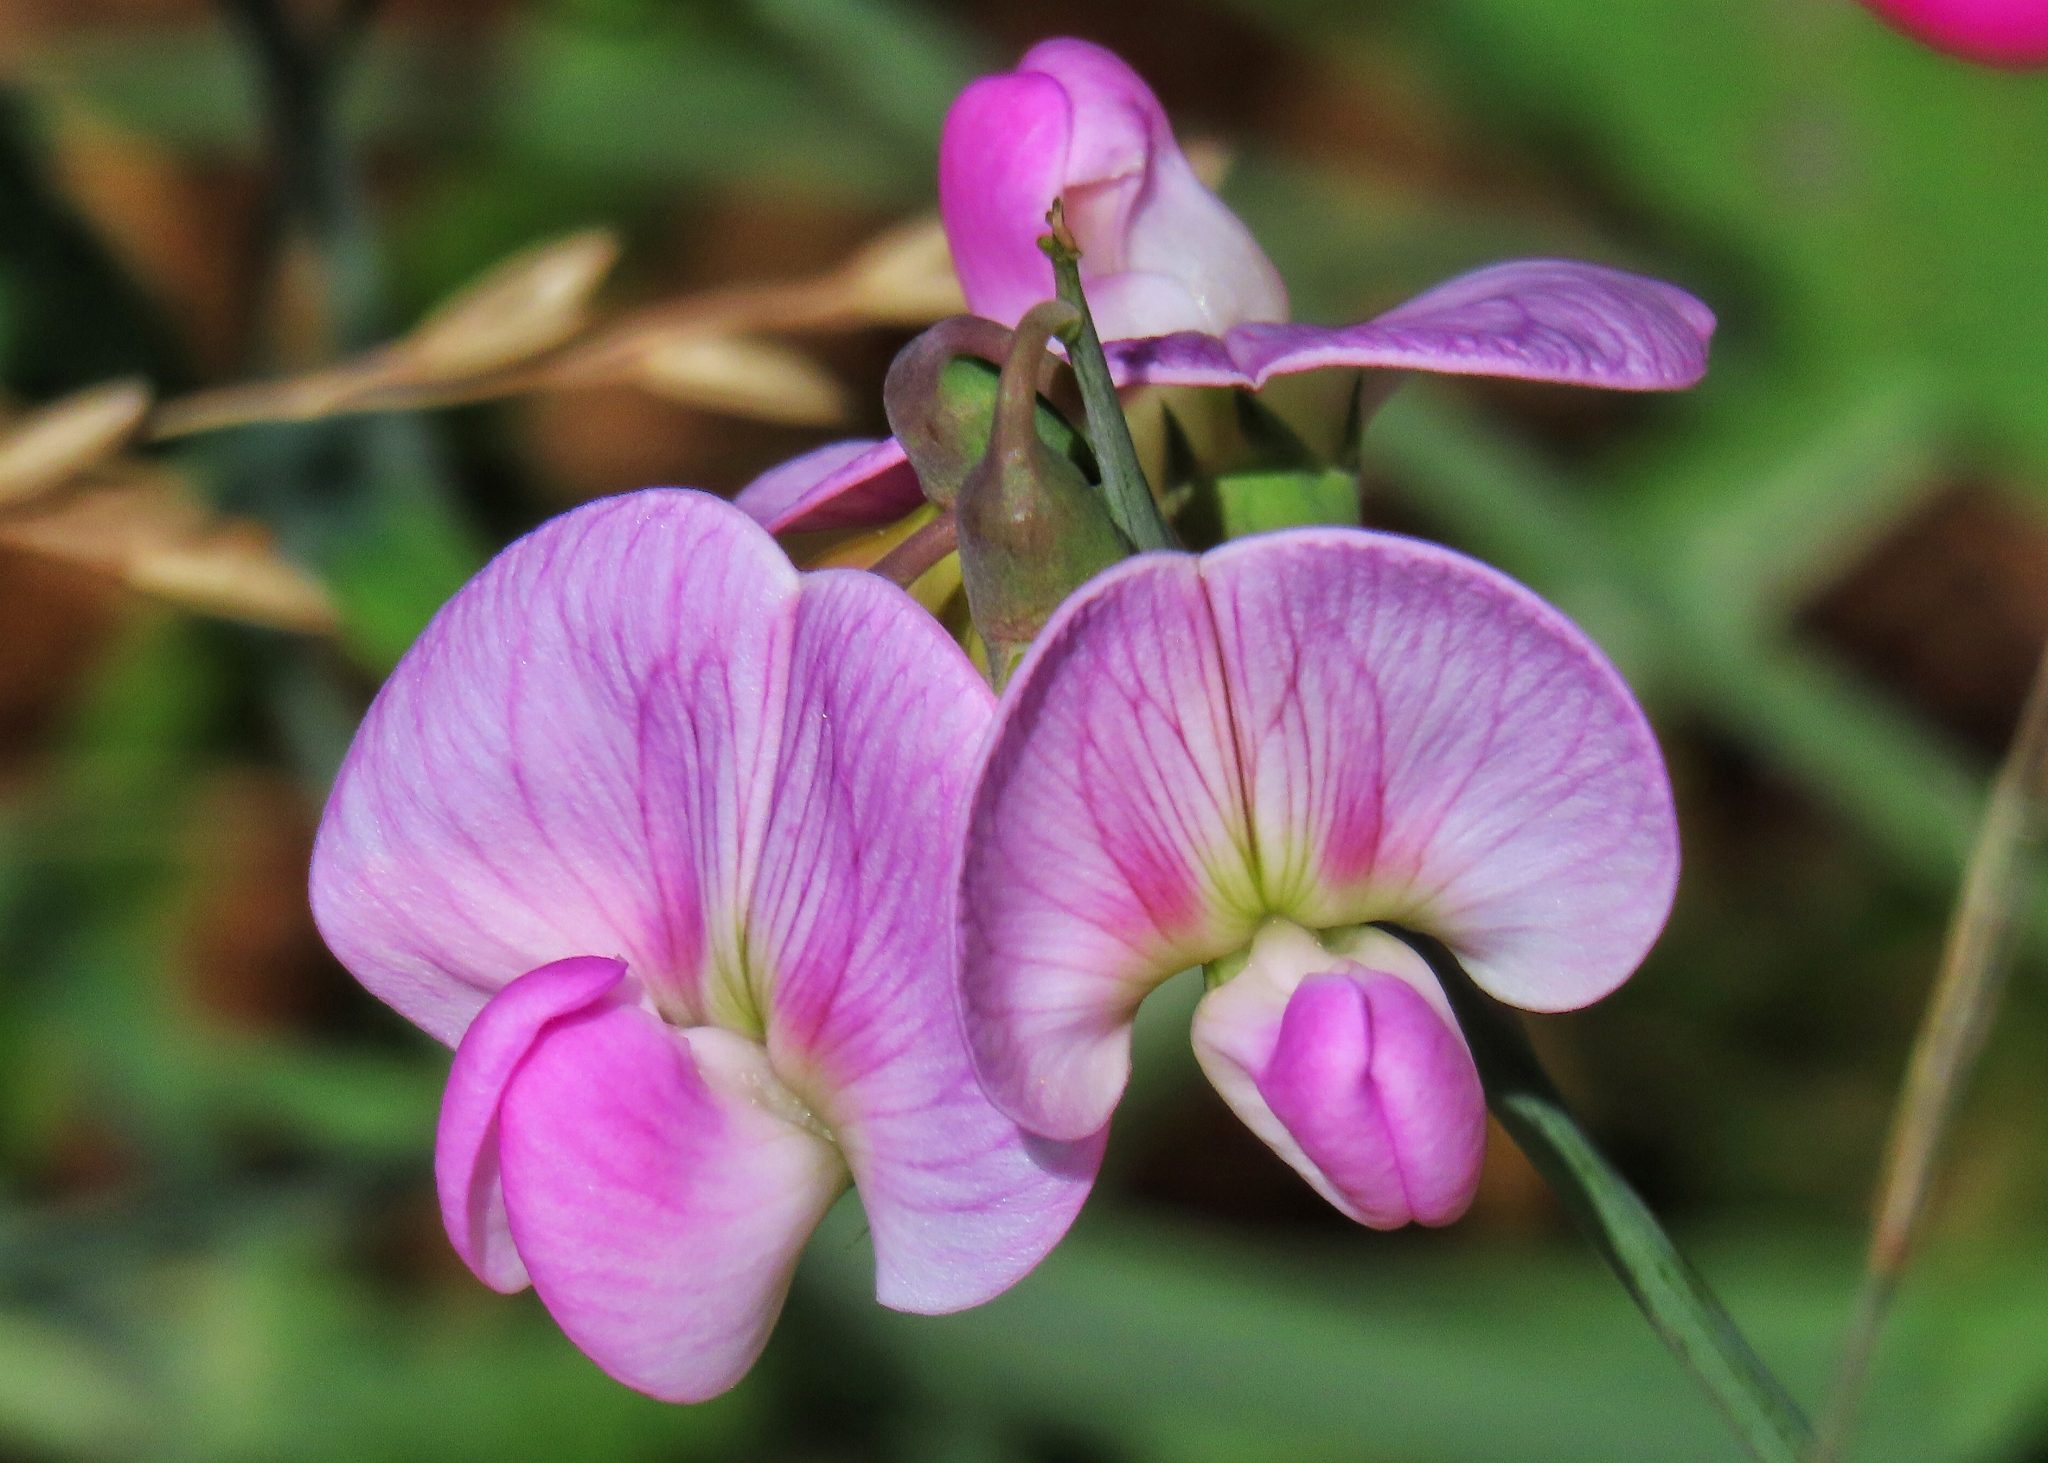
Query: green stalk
(1671, 1295)
(1131, 504)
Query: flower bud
(1032, 528)
(941, 399)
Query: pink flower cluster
(734, 886)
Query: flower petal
(1534, 320)
(567, 762)
(1107, 845)
(1074, 122)
(841, 485)
(852, 911)
(1426, 741)
(1328, 725)
(2011, 33)
(1137, 209)
(1002, 161)
(658, 1209)
(466, 1148)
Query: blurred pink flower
(657, 829)
(2012, 33)
(1182, 293)
(1245, 760)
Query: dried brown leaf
(905, 277)
(294, 399)
(155, 540)
(736, 374)
(51, 446)
(523, 307)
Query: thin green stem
(1131, 504)
(1671, 1295)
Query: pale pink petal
(659, 1210)
(1534, 320)
(1327, 725)
(466, 1149)
(1002, 161)
(1107, 846)
(841, 485)
(851, 915)
(1426, 741)
(1143, 304)
(568, 762)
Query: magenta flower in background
(1182, 293)
(657, 829)
(1240, 761)
(2011, 33)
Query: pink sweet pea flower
(2009, 33)
(1184, 296)
(1245, 760)
(655, 831)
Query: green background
(1826, 570)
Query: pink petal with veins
(640, 741)
(659, 1208)
(849, 484)
(1329, 726)
(466, 1148)
(566, 763)
(876, 751)
(1550, 320)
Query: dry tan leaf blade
(55, 444)
(148, 535)
(524, 328)
(518, 310)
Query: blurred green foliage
(216, 1240)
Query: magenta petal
(1535, 320)
(1382, 1097)
(2012, 33)
(561, 764)
(852, 905)
(1002, 161)
(466, 1148)
(659, 1210)
(841, 485)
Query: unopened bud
(941, 400)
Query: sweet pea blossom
(1251, 760)
(654, 830)
(1183, 295)
(2010, 33)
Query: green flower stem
(1131, 504)
(1668, 1291)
